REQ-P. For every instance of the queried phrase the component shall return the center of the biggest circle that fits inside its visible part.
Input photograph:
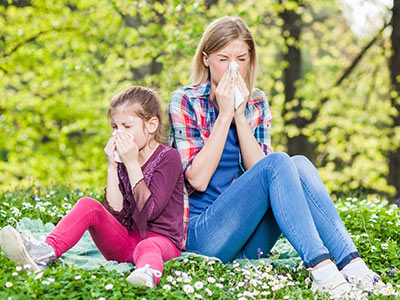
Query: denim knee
(276, 158)
(301, 160)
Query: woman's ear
(152, 125)
(205, 59)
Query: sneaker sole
(137, 280)
(14, 248)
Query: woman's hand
(127, 148)
(241, 85)
(109, 151)
(224, 94)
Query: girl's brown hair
(145, 103)
(217, 35)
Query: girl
(241, 195)
(141, 219)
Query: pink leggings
(113, 240)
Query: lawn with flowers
(373, 224)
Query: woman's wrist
(240, 118)
(225, 117)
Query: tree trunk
(291, 30)
(394, 65)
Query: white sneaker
(368, 282)
(26, 251)
(143, 276)
(338, 288)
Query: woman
(241, 194)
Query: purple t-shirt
(161, 191)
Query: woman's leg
(154, 251)
(110, 236)
(227, 225)
(263, 238)
(326, 218)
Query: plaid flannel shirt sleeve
(263, 124)
(185, 135)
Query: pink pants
(113, 240)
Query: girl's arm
(166, 178)
(152, 199)
(113, 194)
(129, 153)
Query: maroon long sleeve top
(156, 202)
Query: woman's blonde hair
(217, 35)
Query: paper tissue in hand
(116, 153)
(239, 99)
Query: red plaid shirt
(192, 116)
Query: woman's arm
(207, 159)
(250, 148)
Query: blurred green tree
(61, 62)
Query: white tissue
(239, 99)
(116, 153)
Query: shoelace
(151, 271)
(45, 258)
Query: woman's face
(218, 61)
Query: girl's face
(218, 61)
(125, 119)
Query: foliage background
(62, 61)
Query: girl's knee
(147, 246)
(88, 204)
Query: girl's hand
(224, 94)
(127, 148)
(109, 151)
(241, 85)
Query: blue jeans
(278, 194)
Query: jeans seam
(244, 182)
(293, 229)
(333, 227)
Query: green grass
(373, 225)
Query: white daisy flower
(211, 279)
(198, 285)
(208, 291)
(9, 284)
(109, 286)
(188, 289)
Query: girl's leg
(326, 218)
(154, 251)
(226, 226)
(110, 236)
